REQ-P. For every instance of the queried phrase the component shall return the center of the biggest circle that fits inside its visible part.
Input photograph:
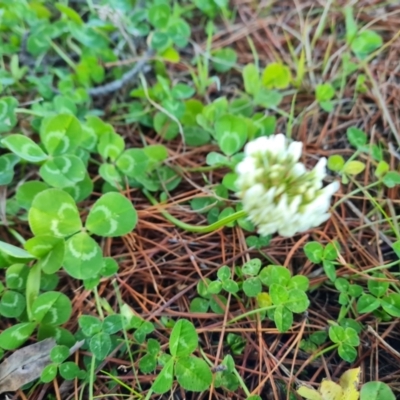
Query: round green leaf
(214, 287)
(159, 41)
(52, 308)
(62, 336)
(251, 78)
(376, 391)
(199, 305)
(111, 175)
(335, 163)
(252, 286)
(283, 318)
(164, 380)
(252, 267)
(347, 353)
(12, 304)
(351, 336)
(81, 190)
(63, 171)
(298, 301)
(229, 181)
(61, 134)
(159, 15)
(367, 303)
(196, 136)
(224, 273)
(224, 59)
(133, 162)
(83, 256)
(112, 324)
(100, 345)
(184, 339)
(179, 31)
(49, 250)
(147, 363)
(314, 252)
(276, 76)
(275, 274)
(231, 133)
(356, 137)
(112, 215)
(391, 304)
(27, 192)
(24, 148)
(54, 213)
(90, 325)
(230, 286)
(58, 354)
(110, 267)
(365, 43)
(216, 306)
(110, 146)
(69, 370)
(49, 373)
(7, 164)
(279, 294)
(17, 335)
(182, 91)
(377, 287)
(337, 334)
(165, 126)
(16, 276)
(299, 282)
(268, 98)
(391, 179)
(324, 92)
(193, 374)
(8, 118)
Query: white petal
(295, 149)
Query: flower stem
(194, 228)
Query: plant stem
(98, 303)
(148, 395)
(241, 382)
(256, 311)
(320, 353)
(63, 55)
(91, 380)
(355, 191)
(30, 112)
(194, 228)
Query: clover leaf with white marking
(54, 212)
(61, 136)
(112, 215)
(83, 256)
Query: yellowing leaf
(264, 300)
(171, 55)
(353, 167)
(331, 391)
(276, 76)
(40, 10)
(309, 393)
(70, 13)
(349, 383)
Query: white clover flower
(277, 191)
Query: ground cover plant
(199, 200)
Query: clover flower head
(277, 191)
